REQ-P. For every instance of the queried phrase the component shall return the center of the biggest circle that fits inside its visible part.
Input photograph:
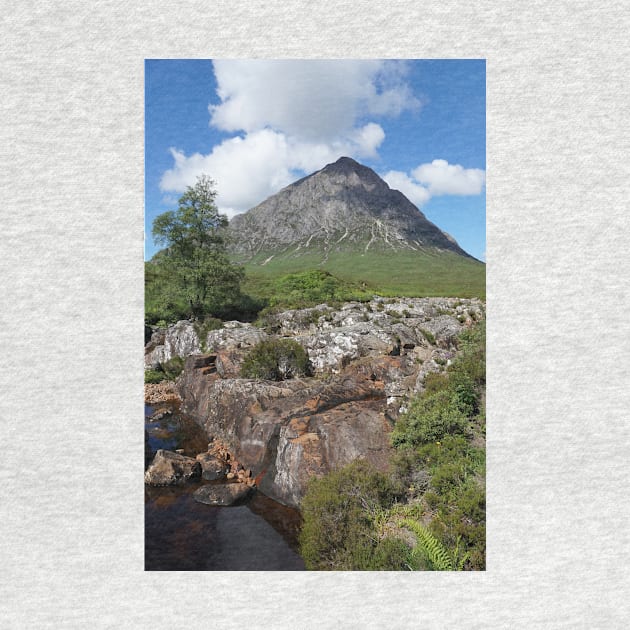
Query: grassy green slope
(400, 273)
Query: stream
(184, 535)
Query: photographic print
(315, 315)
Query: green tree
(194, 269)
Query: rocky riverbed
(367, 360)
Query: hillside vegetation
(402, 273)
(428, 511)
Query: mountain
(346, 220)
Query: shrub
(154, 376)
(276, 360)
(428, 335)
(472, 354)
(435, 382)
(309, 288)
(464, 393)
(339, 510)
(428, 419)
(388, 554)
(452, 406)
(167, 371)
(172, 368)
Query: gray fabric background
(71, 324)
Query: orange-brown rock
(169, 469)
(294, 429)
(160, 393)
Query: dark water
(183, 535)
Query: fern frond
(430, 546)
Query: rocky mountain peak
(347, 166)
(344, 206)
(345, 172)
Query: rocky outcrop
(286, 432)
(170, 469)
(183, 339)
(234, 335)
(179, 340)
(367, 359)
(289, 431)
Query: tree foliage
(192, 275)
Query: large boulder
(445, 329)
(178, 340)
(222, 494)
(170, 469)
(314, 444)
(286, 432)
(212, 467)
(234, 337)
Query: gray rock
(170, 469)
(212, 467)
(444, 328)
(230, 338)
(223, 494)
(178, 340)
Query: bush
(388, 554)
(437, 463)
(456, 496)
(428, 335)
(276, 360)
(471, 359)
(309, 288)
(339, 510)
(172, 368)
(435, 382)
(154, 376)
(463, 392)
(429, 419)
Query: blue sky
(255, 126)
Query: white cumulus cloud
(307, 99)
(293, 117)
(443, 178)
(246, 170)
(416, 193)
(436, 178)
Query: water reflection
(183, 535)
